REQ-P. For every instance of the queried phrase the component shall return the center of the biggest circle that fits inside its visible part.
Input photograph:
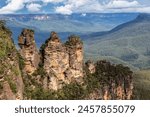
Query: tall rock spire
(28, 50)
(75, 50)
(62, 62)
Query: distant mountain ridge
(81, 24)
(128, 43)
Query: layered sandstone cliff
(28, 50)
(75, 50)
(62, 62)
(116, 81)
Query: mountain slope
(129, 42)
(65, 25)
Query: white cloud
(76, 6)
(16, 5)
(52, 1)
(83, 14)
(28, 1)
(67, 9)
(33, 7)
(88, 6)
(126, 6)
(83, 6)
(144, 10)
(122, 4)
(12, 6)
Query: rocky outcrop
(62, 62)
(90, 66)
(11, 81)
(58, 64)
(116, 81)
(11, 84)
(28, 50)
(75, 51)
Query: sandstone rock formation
(56, 61)
(11, 84)
(90, 66)
(28, 50)
(62, 62)
(75, 51)
(117, 82)
(56, 65)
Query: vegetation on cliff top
(76, 91)
(9, 60)
(73, 40)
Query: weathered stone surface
(56, 61)
(75, 50)
(11, 84)
(62, 62)
(116, 81)
(28, 50)
(91, 66)
(7, 92)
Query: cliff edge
(57, 70)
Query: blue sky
(73, 6)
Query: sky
(73, 6)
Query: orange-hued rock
(28, 50)
(7, 92)
(90, 66)
(62, 62)
(116, 81)
(75, 51)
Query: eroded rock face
(90, 66)
(28, 50)
(118, 92)
(11, 84)
(56, 61)
(75, 50)
(116, 81)
(62, 62)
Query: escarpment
(11, 84)
(115, 80)
(57, 71)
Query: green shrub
(40, 71)
(142, 85)
(12, 85)
(73, 91)
(21, 62)
(1, 86)
(3, 27)
(73, 40)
